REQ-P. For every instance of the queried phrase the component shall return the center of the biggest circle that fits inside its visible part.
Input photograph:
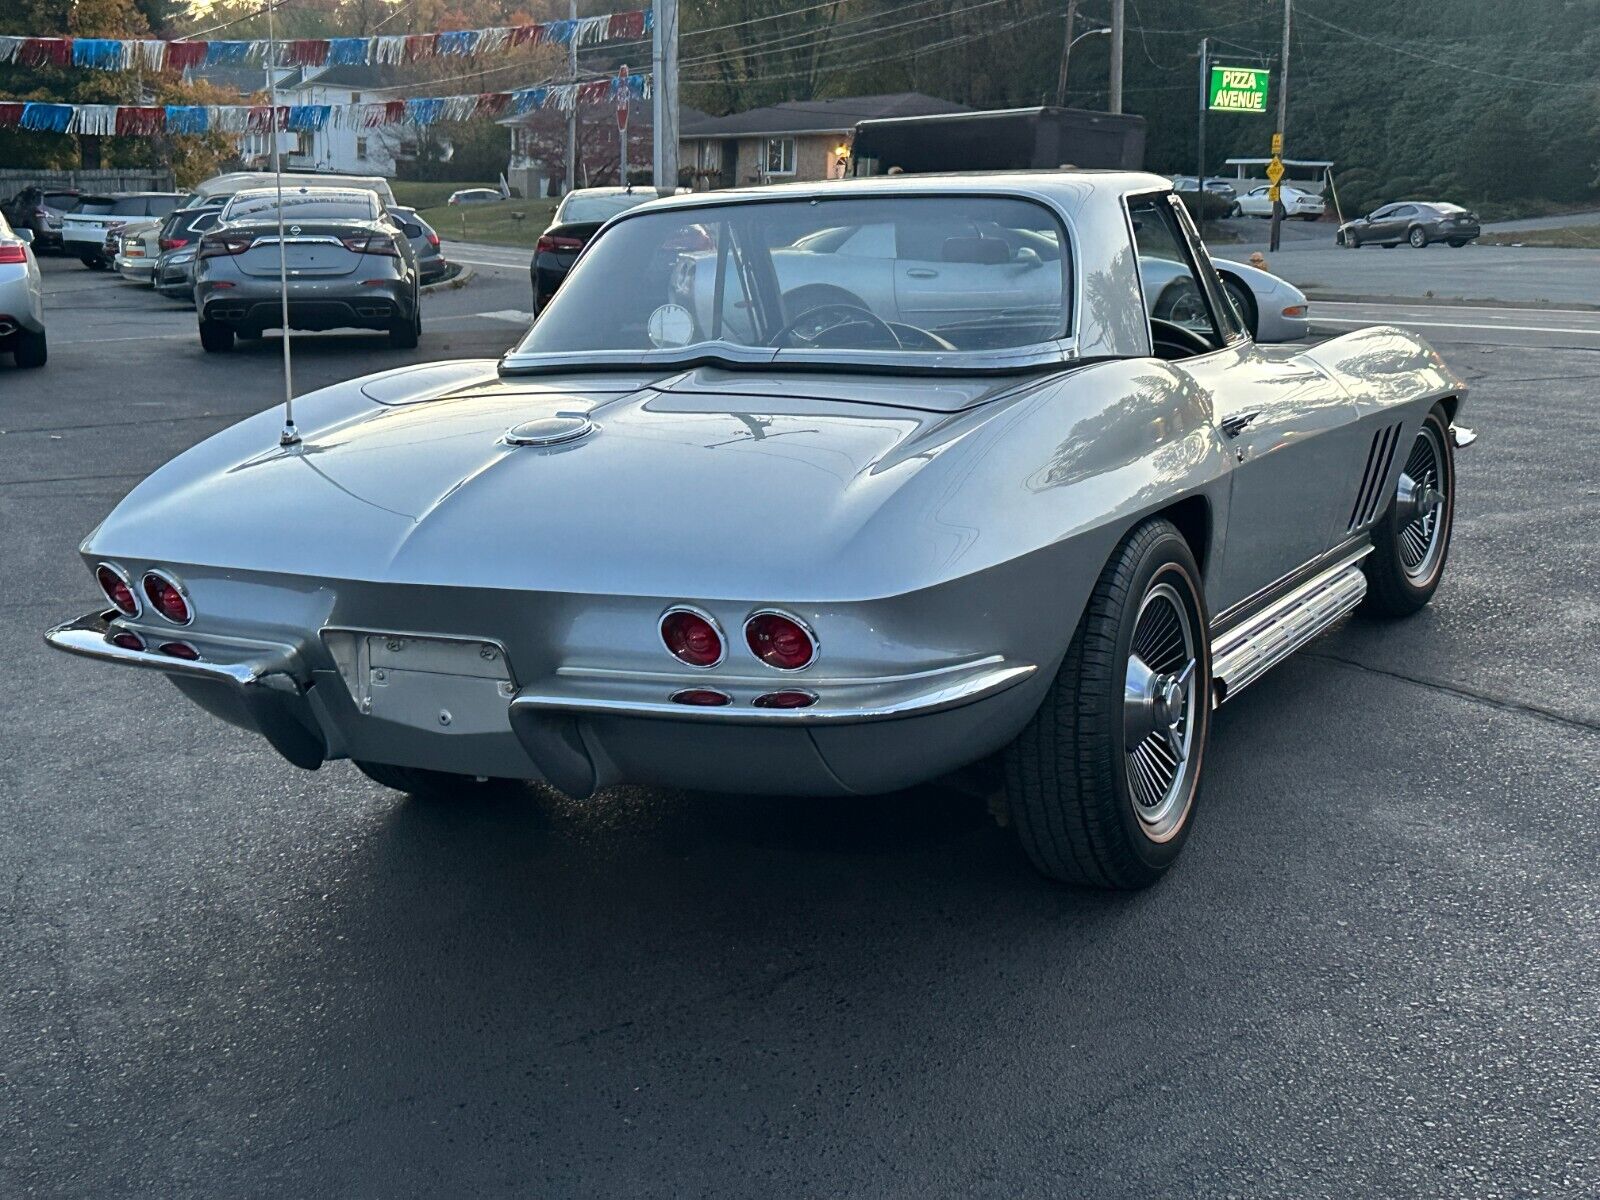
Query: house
(796, 140)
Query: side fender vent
(1369, 497)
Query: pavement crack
(1518, 706)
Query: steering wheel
(849, 314)
(1172, 342)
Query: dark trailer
(1005, 139)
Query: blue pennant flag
(103, 53)
(424, 111)
(227, 52)
(308, 116)
(347, 51)
(188, 118)
(49, 118)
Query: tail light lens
(702, 697)
(171, 243)
(793, 698)
(167, 597)
(1295, 310)
(692, 637)
(13, 253)
(180, 650)
(375, 243)
(126, 639)
(221, 245)
(780, 641)
(550, 245)
(117, 589)
(433, 240)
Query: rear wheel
(1458, 242)
(30, 348)
(1243, 301)
(1412, 540)
(1418, 237)
(1102, 782)
(404, 335)
(93, 261)
(436, 785)
(216, 337)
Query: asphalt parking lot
(1374, 973)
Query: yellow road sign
(1277, 144)
(1273, 193)
(1275, 170)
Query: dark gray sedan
(346, 262)
(1413, 221)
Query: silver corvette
(723, 521)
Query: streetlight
(1066, 56)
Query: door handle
(1236, 424)
(921, 273)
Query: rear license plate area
(444, 685)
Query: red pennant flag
(139, 121)
(521, 35)
(421, 45)
(629, 25)
(394, 111)
(492, 104)
(306, 52)
(10, 114)
(45, 52)
(182, 55)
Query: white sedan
(21, 299)
(1296, 203)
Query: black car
(41, 210)
(177, 242)
(1415, 221)
(578, 217)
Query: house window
(708, 156)
(780, 156)
(361, 148)
(355, 97)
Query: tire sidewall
(1167, 561)
(1422, 591)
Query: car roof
(326, 193)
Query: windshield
(303, 205)
(94, 206)
(927, 275)
(584, 209)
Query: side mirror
(25, 234)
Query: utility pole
(1200, 156)
(1066, 53)
(572, 115)
(1118, 23)
(1283, 117)
(664, 81)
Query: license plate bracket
(447, 685)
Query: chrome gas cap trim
(549, 431)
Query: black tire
(1067, 774)
(1244, 301)
(1394, 588)
(1457, 243)
(1418, 237)
(93, 261)
(404, 335)
(1235, 211)
(216, 337)
(30, 349)
(436, 785)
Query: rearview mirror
(1029, 257)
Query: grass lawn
(509, 223)
(1565, 237)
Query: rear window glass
(585, 209)
(60, 199)
(95, 205)
(130, 206)
(311, 206)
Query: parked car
(475, 196)
(220, 187)
(84, 229)
(1220, 188)
(179, 237)
(1296, 203)
(580, 213)
(134, 250)
(40, 210)
(1272, 309)
(21, 299)
(431, 261)
(786, 542)
(348, 265)
(1414, 221)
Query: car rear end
(180, 236)
(1306, 204)
(341, 272)
(577, 220)
(21, 300)
(431, 262)
(46, 217)
(1455, 225)
(136, 252)
(84, 229)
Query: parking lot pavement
(1373, 973)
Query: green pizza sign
(1238, 89)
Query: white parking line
(515, 315)
(1593, 331)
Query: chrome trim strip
(1462, 436)
(1242, 609)
(1248, 651)
(990, 677)
(87, 638)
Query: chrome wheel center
(1158, 704)
(1419, 501)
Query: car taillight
(171, 243)
(117, 589)
(780, 641)
(549, 245)
(13, 253)
(167, 597)
(692, 637)
(224, 244)
(433, 240)
(179, 650)
(127, 640)
(374, 243)
(793, 698)
(702, 697)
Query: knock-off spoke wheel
(1411, 540)
(1418, 500)
(1158, 700)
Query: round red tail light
(692, 637)
(117, 589)
(702, 697)
(789, 699)
(180, 650)
(167, 597)
(780, 641)
(127, 639)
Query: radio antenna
(290, 435)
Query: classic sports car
(732, 535)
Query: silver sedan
(21, 299)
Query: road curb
(459, 280)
